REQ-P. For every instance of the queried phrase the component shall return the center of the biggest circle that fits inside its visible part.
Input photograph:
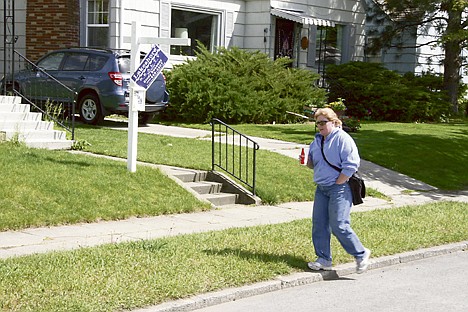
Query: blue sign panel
(150, 67)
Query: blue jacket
(340, 150)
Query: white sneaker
(363, 263)
(318, 265)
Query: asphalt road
(432, 284)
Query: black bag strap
(323, 154)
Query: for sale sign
(150, 67)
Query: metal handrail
(72, 99)
(237, 158)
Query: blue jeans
(331, 214)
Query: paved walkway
(39, 240)
(402, 190)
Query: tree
(447, 17)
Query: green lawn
(51, 187)
(122, 276)
(436, 153)
(54, 187)
(279, 178)
(43, 188)
(433, 153)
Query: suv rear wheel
(90, 109)
(144, 118)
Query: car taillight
(116, 78)
(164, 76)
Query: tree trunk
(452, 62)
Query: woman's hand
(342, 179)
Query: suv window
(96, 62)
(75, 61)
(105, 72)
(124, 64)
(51, 62)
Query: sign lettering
(150, 67)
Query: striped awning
(301, 18)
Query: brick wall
(51, 25)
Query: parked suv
(99, 77)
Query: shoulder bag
(356, 183)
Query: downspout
(121, 24)
(4, 46)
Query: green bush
(370, 90)
(238, 86)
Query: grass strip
(130, 275)
(279, 178)
(434, 153)
(45, 188)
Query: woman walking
(333, 198)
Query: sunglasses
(322, 123)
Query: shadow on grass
(291, 261)
(37, 156)
(107, 123)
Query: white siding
(436, 53)
(145, 12)
(257, 18)
(154, 17)
(349, 13)
(247, 24)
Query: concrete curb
(298, 279)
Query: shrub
(351, 124)
(238, 86)
(337, 105)
(370, 90)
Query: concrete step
(8, 107)
(188, 175)
(207, 190)
(221, 199)
(51, 144)
(20, 116)
(17, 122)
(26, 125)
(5, 99)
(36, 135)
(205, 187)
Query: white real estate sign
(143, 76)
(146, 73)
(150, 67)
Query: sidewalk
(401, 189)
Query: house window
(98, 23)
(200, 27)
(329, 47)
(372, 56)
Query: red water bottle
(302, 157)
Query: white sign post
(143, 75)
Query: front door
(284, 38)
